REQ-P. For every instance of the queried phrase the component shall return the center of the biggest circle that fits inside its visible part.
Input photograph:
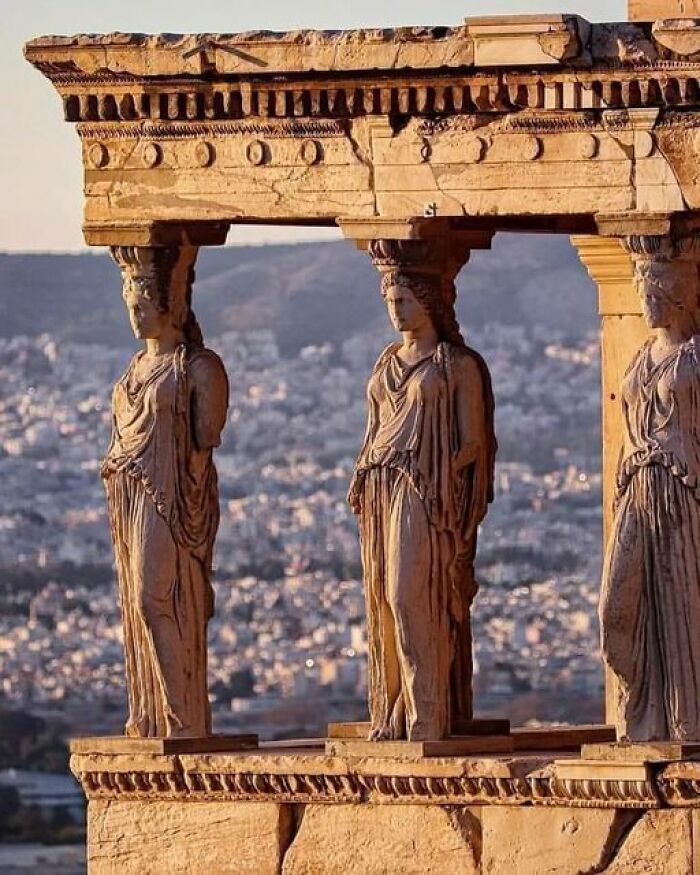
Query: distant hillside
(306, 293)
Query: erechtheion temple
(420, 144)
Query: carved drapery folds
(650, 598)
(421, 486)
(168, 410)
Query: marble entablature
(503, 120)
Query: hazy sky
(40, 172)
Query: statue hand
(355, 495)
(466, 455)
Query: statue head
(668, 292)
(667, 280)
(157, 290)
(414, 298)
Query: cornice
(525, 42)
(309, 778)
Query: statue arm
(354, 496)
(476, 445)
(471, 413)
(209, 400)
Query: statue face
(147, 321)
(656, 285)
(405, 310)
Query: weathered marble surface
(650, 593)
(651, 10)
(173, 839)
(500, 117)
(360, 839)
(547, 841)
(421, 486)
(662, 842)
(168, 411)
(283, 811)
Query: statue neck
(677, 333)
(167, 342)
(419, 343)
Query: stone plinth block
(448, 747)
(393, 840)
(561, 737)
(121, 744)
(543, 841)
(642, 752)
(169, 838)
(651, 10)
(603, 769)
(660, 842)
(465, 727)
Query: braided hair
(173, 293)
(430, 291)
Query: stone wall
(257, 838)
(302, 812)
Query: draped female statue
(168, 411)
(421, 486)
(650, 600)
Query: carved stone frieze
(522, 122)
(679, 784)
(678, 119)
(397, 123)
(320, 128)
(540, 788)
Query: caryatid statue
(168, 411)
(650, 600)
(421, 486)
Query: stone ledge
(543, 41)
(285, 775)
(524, 39)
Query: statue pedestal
(466, 727)
(642, 751)
(444, 747)
(291, 808)
(123, 744)
(475, 737)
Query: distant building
(45, 791)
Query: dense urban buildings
(289, 625)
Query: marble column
(422, 484)
(622, 331)
(168, 411)
(650, 591)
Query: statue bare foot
(380, 733)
